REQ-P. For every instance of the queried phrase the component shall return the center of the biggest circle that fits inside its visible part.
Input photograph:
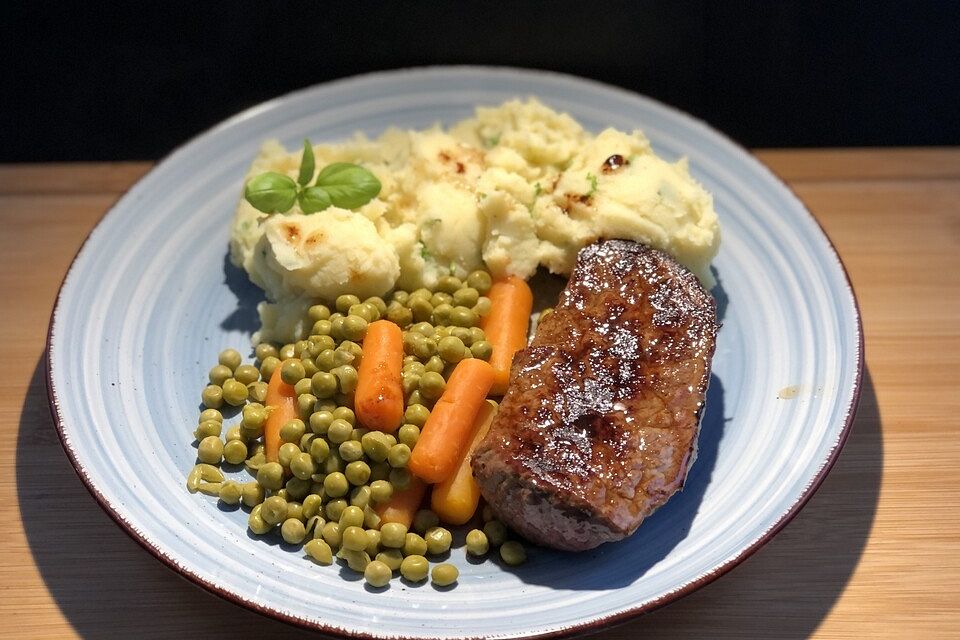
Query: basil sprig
(341, 184)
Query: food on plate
(599, 424)
(514, 188)
(395, 272)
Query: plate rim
(590, 626)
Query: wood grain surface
(876, 552)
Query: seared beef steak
(599, 424)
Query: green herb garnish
(341, 184)
(593, 184)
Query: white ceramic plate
(150, 300)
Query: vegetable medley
(347, 432)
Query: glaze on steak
(599, 425)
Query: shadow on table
(105, 584)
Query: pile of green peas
(331, 472)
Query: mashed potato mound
(515, 187)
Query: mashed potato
(515, 187)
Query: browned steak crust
(599, 425)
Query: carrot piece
(403, 505)
(281, 403)
(455, 499)
(447, 431)
(511, 302)
(379, 396)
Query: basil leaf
(307, 164)
(271, 192)
(348, 185)
(313, 199)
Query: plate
(151, 299)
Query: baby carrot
(511, 302)
(447, 431)
(403, 505)
(379, 396)
(281, 403)
(455, 499)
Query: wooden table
(876, 553)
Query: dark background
(131, 81)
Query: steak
(599, 424)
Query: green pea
(425, 329)
(445, 574)
(334, 509)
(441, 315)
(208, 428)
(306, 440)
(359, 496)
(414, 545)
(274, 510)
(380, 491)
(254, 416)
(371, 519)
(230, 358)
(265, 350)
(210, 414)
(235, 451)
(392, 535)
(377, 574)
(295, 510)
(416, 414)
(256, 522)
(421, 309)
(373, 542)
(319, 449)
(399, 314)
(463, 333)
(292, 531)
(410, 382)
(356, 560)
(311, 505)
(451, 349)
(379, 471)
(466, 297)
(336, 484)
(409, 434)
(321, 342)
(496, 532)
(210, 450)
(246, 374)
(439, 298)
(326, 360)
(288, 451)
(233, 433)
(449, 284)
(291, 371)
(399, 296)
(399, 456)
(268, 366)
(333, 463)
(306, 404)
(286, 351)
(424, 349)
(252, 494)
(344, 303)
(219, 374)
(513, 553)
(292, 430)
(400, 478)
(212, 396)
(319, 550)
(331, 534)
(357, 472)
(375, 446)
(270, 476)
(480, 280)
(481, 349)
(351, 517)
(318, 312)
(231, 492)
(415, 568)
(424, 520)
(339, 431)
(393, 558)
(320, 422)
(304, 385)
(432, 385)
(323, 384)
(463, 317)
(346, 414)
(482, 308)
(422, 292)
(257, 391)
(302, 466)
(438, 540)
(346, 378)
(350, 451)
(354, 327)
(477, 543)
